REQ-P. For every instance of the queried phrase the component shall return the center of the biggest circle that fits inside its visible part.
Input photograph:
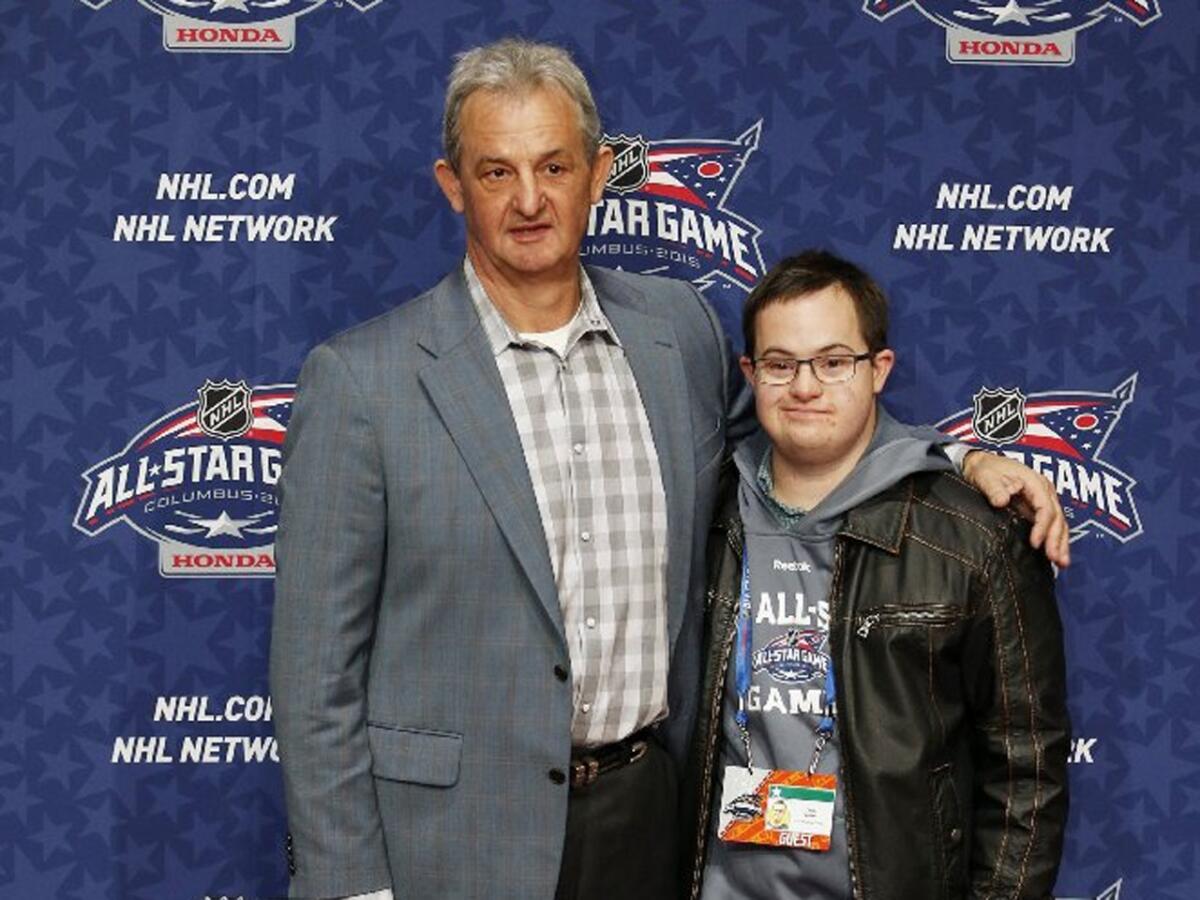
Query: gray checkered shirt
(599, 490)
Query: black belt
(589, 763)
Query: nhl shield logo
(631, 166)
(225, 411)
(999, 415)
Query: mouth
(804, 412)
(525, 234)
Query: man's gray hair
(514, 66)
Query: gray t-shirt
(790, 557)
(789, 653)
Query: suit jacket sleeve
(329, 552)
(1016, 682)
(738, 398)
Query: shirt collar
(500, 335)
(788, 517)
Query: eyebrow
(502, 160)
(828, 348)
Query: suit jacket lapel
(464, 386)
(653, 353)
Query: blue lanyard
(743, 636)
(743, 663)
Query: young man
(884, 704)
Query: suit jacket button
(558, 776)
(955, 835)
(560, 673)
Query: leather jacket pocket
(930, 615)
(949, 837)
(414, 755)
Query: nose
(527, 200)
(805, 385)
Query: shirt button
(590, 622)
(585, 707)
(578, 448)
(585, 536)
(560, 673)
(558, 776)
(955, 835)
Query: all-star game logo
(1060, 434)
(664, 212)
(1017, 32)
(200, 481)
(793, 657)
(232, 26)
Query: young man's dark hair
(810, 271)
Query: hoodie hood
(896, 451)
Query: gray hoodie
(791, 566)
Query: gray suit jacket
(417, 626)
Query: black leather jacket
(947, 647)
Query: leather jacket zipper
(928, 615)
(839, 550)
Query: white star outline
(1044, 12)
(1011, 12)
(222, 524)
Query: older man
(495, 499)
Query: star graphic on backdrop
(223, 524)
(1011, 12)
(239, 5)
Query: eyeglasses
(828, 368)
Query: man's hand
(1003, 480)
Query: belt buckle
(584, 771)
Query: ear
(747, 366)
(881, 368)
(447, 180)
(601, 166)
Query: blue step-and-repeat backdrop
(198, 191)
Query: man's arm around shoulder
(330, 553)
